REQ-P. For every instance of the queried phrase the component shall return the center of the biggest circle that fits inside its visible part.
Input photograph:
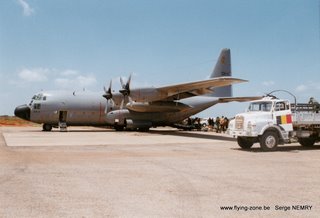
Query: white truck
(271, 121)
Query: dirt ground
(14, 121)
(91, 172)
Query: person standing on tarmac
(218, 124)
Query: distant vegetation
(14, 121)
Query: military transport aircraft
(133, 108)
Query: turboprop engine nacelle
(165, 106)
(138, 124)
(121, 118)
(117, 117)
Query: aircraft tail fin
(222, 69)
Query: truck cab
(267, 121)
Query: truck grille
(239, 122)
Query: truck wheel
(244, 143)
(269, 141)
(307, 142)
(46, 127)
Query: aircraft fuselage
(91, 109)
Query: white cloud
(308, 87)
(79, 81)
(34, 75)
(61, 79)
(268, 83)
(27, 10)
(301, 88)
(69, 73)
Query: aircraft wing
(239, 99)
(202, 87)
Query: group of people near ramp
(218, 124)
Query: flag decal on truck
(284, 119)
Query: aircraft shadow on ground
(166, 132)
(156, 132)
(55, 131)
(192, 135)
(293, 148)
(100, 129)
(86, 130)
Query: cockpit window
(39, 97)
(260, 106)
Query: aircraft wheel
(46, 127)
(269, 141)
(144, 129)
(244, 143)
(119, 128)
(307, 142)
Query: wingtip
(232, 78)
(240, 80)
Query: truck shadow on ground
(287, 148)
(192, 135)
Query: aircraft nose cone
(22, 111)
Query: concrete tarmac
(95, 172)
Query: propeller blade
(108, 93)
(110, 85)
(106, 109)
(125, 88)
(130, 100)
(121, 105)
(125, 91)
(110, 104)
(128, 82)
(122, 83)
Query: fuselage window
(37, 106)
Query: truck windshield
(260, 106)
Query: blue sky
(45, 45)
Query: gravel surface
(92, 172)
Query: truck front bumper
(236, 133)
